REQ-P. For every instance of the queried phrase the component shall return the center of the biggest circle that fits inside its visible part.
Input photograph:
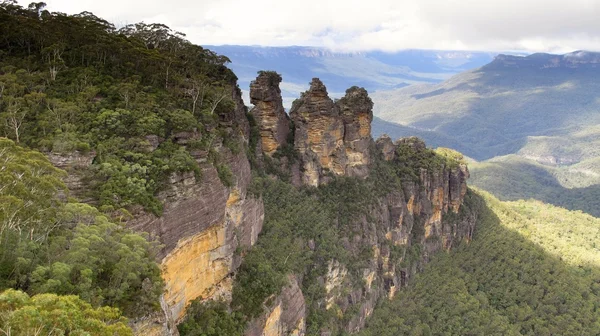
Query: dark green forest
(531, 269)
(78, 84)
(75, 82)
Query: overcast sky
(494, 25)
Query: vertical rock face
(268, 111)
(286, 315)
(332, 138)
(403, 230)
(202, 225)
(386, 147)
(356, 109)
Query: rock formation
(404, 229)
(287, 315)
(268, 111)
(332, 138)
(202, 225)
(204, 222)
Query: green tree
(51, 314)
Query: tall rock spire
(332, 137)
(268, 111)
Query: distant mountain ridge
(373, 70)
(533, 121)
(508, 105)
(573, 60)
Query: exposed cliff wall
(204, 222)
(397, 232)
(286, 316)
(416, 209)
(332, 138)
(273, 122)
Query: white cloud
(534, 25)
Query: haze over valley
(324, 168)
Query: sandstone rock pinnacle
(268, 111)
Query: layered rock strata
(403, 230)
(332, 137)
(273, 122)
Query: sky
(353, 25)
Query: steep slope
(348, 221)
(152, 131)
(531, 269)
(493, 110)
(574, 187)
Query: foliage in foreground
(51, 314)
(48, 246)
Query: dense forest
(75, 83)
(532, 269)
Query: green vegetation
(412, 155)
(531, 269)
(548, 117)
(211, 319)
(493, 111)
(48, 246)
(76, 83)
(304, 229)
(512, 178)
(51, 314)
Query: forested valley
(392, 252)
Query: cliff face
(204, 221)
(202, 225)
(273, 122)
(402, 230)
(332, 138)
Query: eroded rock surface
(268, 111)
(286, 316)
(332, 138)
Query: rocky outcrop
(75, 164)
(202, 225)
(332, 138)
(403, 229)
(273, 122)
(386, 147)
(286, 316)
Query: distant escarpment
(385, 207)
(574, 60)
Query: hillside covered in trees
(159, 136)
(76, 85)
(531, 269)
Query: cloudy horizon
(352, 25)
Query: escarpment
(389, 206)
(417, 205)
(204, 222)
